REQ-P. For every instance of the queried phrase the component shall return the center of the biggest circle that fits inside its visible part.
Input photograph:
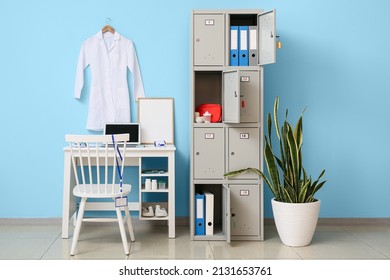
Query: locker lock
(232, 153)
(278, 43)
(233, 215)
(197, 153)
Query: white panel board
(156, 118)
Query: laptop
(132, 128)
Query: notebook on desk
(131, 128)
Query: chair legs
(122, 230)
(129, 224)
(79, 221)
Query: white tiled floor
(41, 240)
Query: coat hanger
(108, 27)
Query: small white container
(196, 115)
(199, 119)
(154, 185)
(207, 117)
(148, 184)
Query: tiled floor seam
(300, 257)
(51, 244)
(212, 251)
(365, 243)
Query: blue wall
(335, 60)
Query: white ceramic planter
(296, 222)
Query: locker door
(209, 39)
(266, 23)
(231, 96)
(244, 205)
(226, 219)
(250, 96)
(243, 150)
(209, 152)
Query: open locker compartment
(241, 19)
(221, 211)
(208, 88)
(261, 33)
(236, 90)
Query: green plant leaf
(319, 186)
(258, 172)
(272, 168)
(293, 156)
(298, 132)
(298, 135)
(269, 127)
(276, 121)
(288, 194)
(303, 191)
(316, 187)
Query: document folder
(243, 47)
(253, 61)
(209, 223)
(234, 45)
(199, 214)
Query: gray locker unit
(243, 150)
(209, 152)
(245, 222)
(209, 27)
(235, 142)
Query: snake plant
(287, 178)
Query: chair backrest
(101, 160)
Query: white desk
(133, 158)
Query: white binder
(253, 60)
(209, 221)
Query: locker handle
(197, 153)
(235, 93)
(232, 153)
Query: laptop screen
(132, 128)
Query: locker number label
(245, 79)
(209, 135)
(209, 22)
(244, 135)
(244, 192)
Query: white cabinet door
(243, 150)
(209, 39)
(231, 96)
(226, 225)
(209, 153)
(266, 23)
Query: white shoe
(161, 212)
(147, 212)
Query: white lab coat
(108, 56)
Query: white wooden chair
(98, 164)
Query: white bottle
(148, 184)
(154, 185)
